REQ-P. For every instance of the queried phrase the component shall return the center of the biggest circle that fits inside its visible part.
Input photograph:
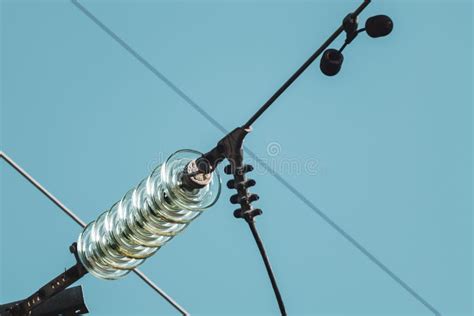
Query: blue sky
(383, 150)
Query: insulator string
(145, 219)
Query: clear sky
(383, 151)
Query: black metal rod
(49, 290)
(295, 76)
(67, 302)
(261, 248)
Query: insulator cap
(253, 197)
(231, 184)
(244, 169)
(256, 212)
(331, 62)
(238, 213)
(379, 26)
(246, 184)
(235, 199)
(192, 178)
(247, 168)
